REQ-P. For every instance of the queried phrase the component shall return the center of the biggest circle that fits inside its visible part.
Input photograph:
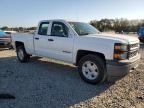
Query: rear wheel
(92, 69)
(22, 55)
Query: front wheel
(22, 55)
(92, 69)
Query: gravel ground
(45, 83)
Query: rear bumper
(118, 69)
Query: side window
(43, 28)
(59, 29)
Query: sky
(26, 13)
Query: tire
(92, 69)
(22, 55)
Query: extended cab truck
(98, 56)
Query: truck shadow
(44, 82)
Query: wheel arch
(19, 43)
(82, 53)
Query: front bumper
(118, 69)
(4, 41)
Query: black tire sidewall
(101, 67)
(25, 58)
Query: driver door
(60, 43)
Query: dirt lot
(44, 83)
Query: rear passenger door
(41, 39)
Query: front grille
(133, 50)
(132, 46)
(133, 54)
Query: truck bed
(26, 38)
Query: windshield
(83, 28)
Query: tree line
(18, 29)
(116, 25)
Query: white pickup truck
(98, 56)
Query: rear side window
(43, 28)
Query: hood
(117, 37)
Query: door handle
(37, 38)
(50, 40)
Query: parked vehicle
(10, 32)
(5, 39)
(2, 33)
(141, 34)
(98, 56)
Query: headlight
(120, 51)
(121, 47)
